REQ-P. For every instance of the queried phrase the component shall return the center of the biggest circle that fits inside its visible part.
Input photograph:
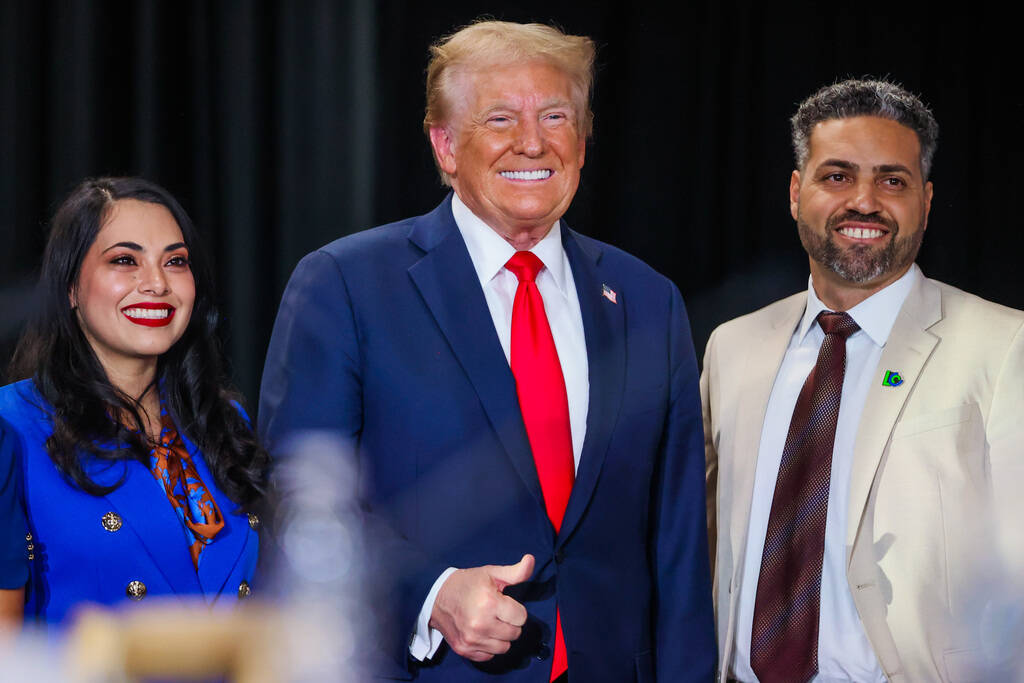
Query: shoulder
(749, 327)
(371, 242)
(392, 242)
(21, 402)
(627, 269)
(969, 313)
(25, 418)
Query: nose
(864, 197)
(153, 280)
(529, 138)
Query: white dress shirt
(844, 652)
(489, 252)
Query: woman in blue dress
(127, 468)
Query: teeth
(527, 175)
(861, 233)
(150, 313)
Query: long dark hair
(191, 374)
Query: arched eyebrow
(135, 246)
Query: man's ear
(794, 194)
(443, 143)
(928, 189)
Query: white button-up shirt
(844, 652)
(489, 252)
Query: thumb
(511, 574)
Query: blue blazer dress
(123, 548)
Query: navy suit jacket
(385, 337)
(78, 559)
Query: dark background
(282, 125)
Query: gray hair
(853, 97)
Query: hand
(475, 617)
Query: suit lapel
(219, 557)
(604, 329)
(146, 512)
(906, 351)
(449, 286)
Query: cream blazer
(935, 539)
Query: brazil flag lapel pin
(892, 379)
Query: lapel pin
(892, 379)
(608, 293)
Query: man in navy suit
(531, 520)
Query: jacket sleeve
(313, 382)
(13, 552)
(685, 640)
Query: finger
(510, 612)
(483, 628)
(490, 647)
(511, 574)
(476, 655)
(501, 630)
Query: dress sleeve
(13, 554)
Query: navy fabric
(13, 544)
(384, 337)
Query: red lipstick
(149, 314)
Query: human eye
(834, 177)
(499, 121)
(178, 261)
(123, 260)
(894, 182)
(556, 117)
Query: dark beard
(859, 263)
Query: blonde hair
(484, 44)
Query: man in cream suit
(914, 574)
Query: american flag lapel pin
(608, 293)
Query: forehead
(518, 84)
(866, 141)
(138, 221)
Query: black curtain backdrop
(283, 125)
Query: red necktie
(784, 638)
(544, 404)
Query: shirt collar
(489, 251)
(876, 315)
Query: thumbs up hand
(475, 617)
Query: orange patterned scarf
(172, 466)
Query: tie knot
(525, 265)
(837, 323)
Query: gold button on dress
(111, 521)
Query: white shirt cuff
(425, 640)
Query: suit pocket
(927, 422)
(645, 667)
(966, 666)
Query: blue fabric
(13, 545)
(78, 560)
(385, 338)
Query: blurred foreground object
(168, 640)
(311, 625)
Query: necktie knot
(525, 265)
(837, 323)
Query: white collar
(876, 315)
(489, 251)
